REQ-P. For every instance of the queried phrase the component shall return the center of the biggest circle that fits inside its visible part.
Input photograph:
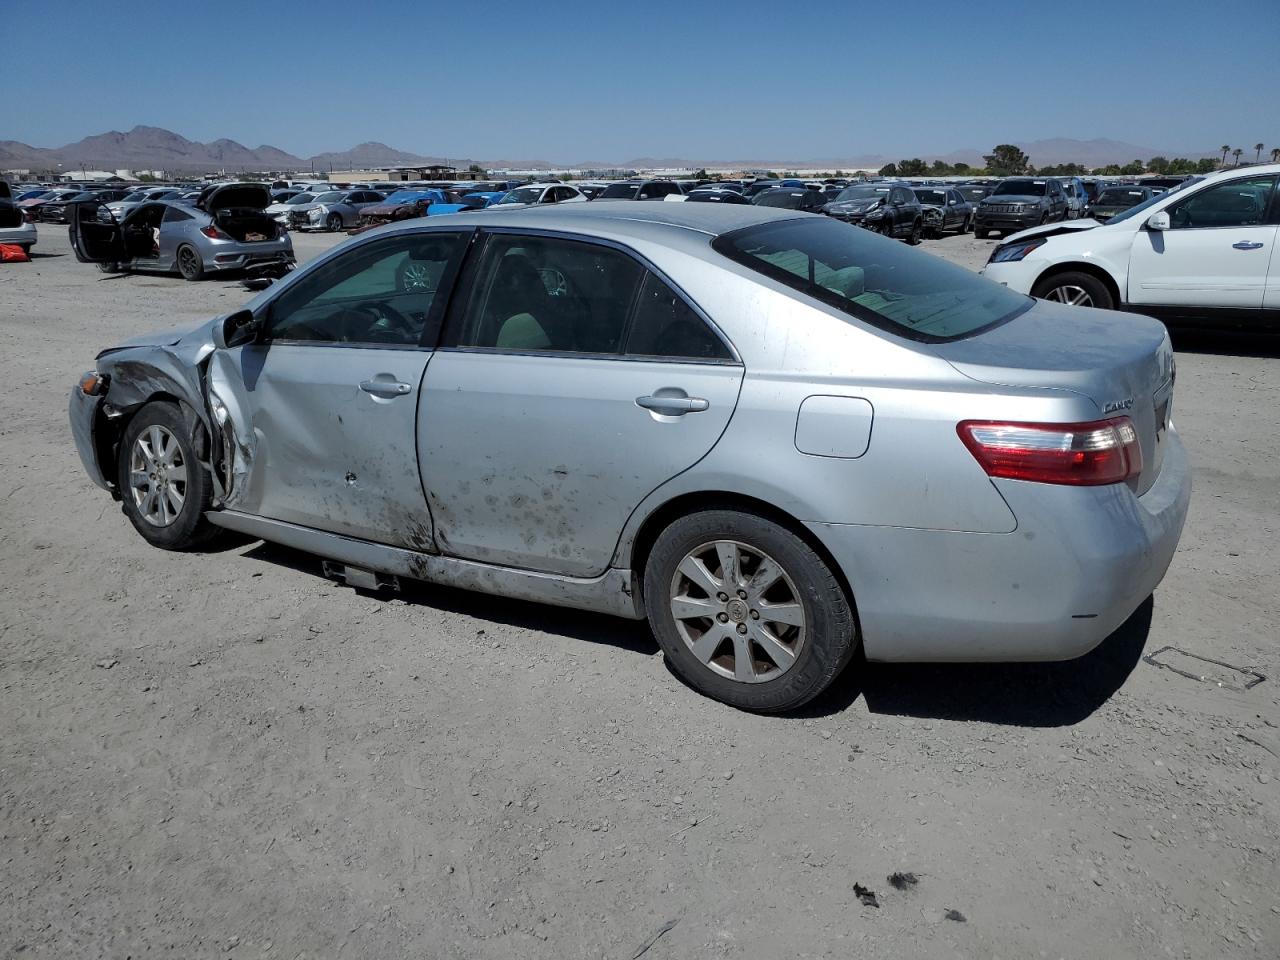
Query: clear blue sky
(568, 82)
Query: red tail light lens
(213, 233)
(1076, 454)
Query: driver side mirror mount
(236, 329)
(1158, 221)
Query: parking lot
(225, 753)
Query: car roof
(672, 224)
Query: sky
(571, 82)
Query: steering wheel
(387, 320)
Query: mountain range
(149, 148)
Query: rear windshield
(1020, 188)
(790, 199)
(974, 193)
(936, 197)
(872, 278)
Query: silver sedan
(777, 437)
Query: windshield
(936, 197)
(333, 196)
(522, 195)
(32, 194)
(403, 196)
(873, 279)
(789, 199)
(1139, 207)
(974, 193)
(862, 191)
(136, 197)
(1120, 197)
(1019, 188)
(619, 191)
(300, 198)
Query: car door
(324, 405)
(1216, 252)
(97, 237)
(573, 380)
(902, 218)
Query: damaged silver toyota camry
(778, 437)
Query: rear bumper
(248, 256)
(24, 234)
(1081, 560)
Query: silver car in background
(332, 211)
(121, 208)
(226, 228)
(778, 437)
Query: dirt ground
(227, 755)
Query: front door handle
(385, 388)
(1247, 245)
(672, 406)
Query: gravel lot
(227, 755)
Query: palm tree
(1236, 153)
(1275, 155)
(1226, 148)
(1257, 153)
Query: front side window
(878, 281)
(619, 191)
(1240, 203)
(935, 197)
(547, 294)
(385, 293)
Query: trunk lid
(1123, 362)
(237, 196)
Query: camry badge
(1113, 405)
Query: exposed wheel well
(1091, 269)
(108, 432)
(689, 503)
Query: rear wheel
(1076, 289)
(334, 223)
(111, 267)
(746, 611)
(165, 490)
(189, 263)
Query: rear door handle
(1247, 245)
(385, 388)
(672, 406)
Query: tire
(1044, 218)
(811, 647)
(111, 267)
(917, 229)
(1076, 289)
(334, 222)
(189, 263)
(980, 234)
(967, 226)
(167, 510)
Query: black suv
(791, 198)
(1020, 202)
(882, 206)
(638, 190)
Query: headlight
(1011, 252)
(316, 213)
(873, 212)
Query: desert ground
(224, 754)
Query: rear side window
(536, 294)
(876, 280)
(665, 326)
(173, 214)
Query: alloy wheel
(738, 611)
(188, 264)
(1070, 294)
(157, 476)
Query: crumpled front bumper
(83, 413)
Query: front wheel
(334, 223)
(1075, 289)
(917, 230)
(110, 267)
(746, 611)
(164, 489)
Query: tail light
(213, 233)
(1076, 454)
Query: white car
(536, 193)
(1203, 252)
(13, 226)
(279, 212)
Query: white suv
(1203, 252)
